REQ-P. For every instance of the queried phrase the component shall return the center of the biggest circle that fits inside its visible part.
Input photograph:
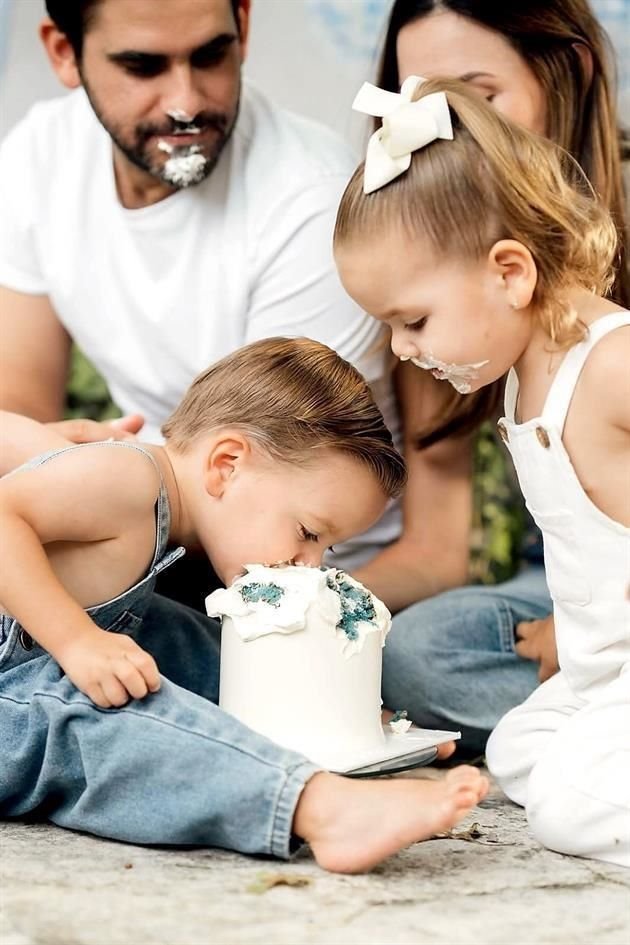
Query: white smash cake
(301, 660)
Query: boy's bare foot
(352, 825)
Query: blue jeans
(450, 660)
(171, 768)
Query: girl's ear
(224, 462)
(60, 53)
(515, 271)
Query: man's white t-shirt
(155, 295)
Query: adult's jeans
(450, 660)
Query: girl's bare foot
(352, 825)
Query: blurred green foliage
(87, 394)
(499, 520)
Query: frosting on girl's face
(461, 376)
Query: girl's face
(453, 319)
(446, 44)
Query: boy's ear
(60, 53)
(224, 460)
(514, 269)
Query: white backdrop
(310, 55)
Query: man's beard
(184, 166)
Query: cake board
(401, 752)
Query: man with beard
(163, 215)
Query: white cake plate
(417, 747)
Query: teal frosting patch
(398, 716)
(356, 605)
(256, 593)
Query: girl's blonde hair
(495, 181)
(293, 398)
(570, 56)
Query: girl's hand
(110, 668)
(537, 641)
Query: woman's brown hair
(556, 38)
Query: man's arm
(35, 356)
(35, 363)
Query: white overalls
(564, 754)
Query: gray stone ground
(491, 886)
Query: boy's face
(272, 512)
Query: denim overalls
(122, 613)
(171, 768)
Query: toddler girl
(484, 250)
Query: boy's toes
(463, 774)
(467, 786)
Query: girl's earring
(513, 303)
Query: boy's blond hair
(494, 181)
(293, 398)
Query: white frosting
(460, 376)
(299, 664)
(181, 116)
(186, 166)
(400, 726)
(297, 589)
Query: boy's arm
(21, 438)
(83, 496)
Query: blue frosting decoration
(255, 593)
(398, 716)
(356, 604)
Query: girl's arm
(432, 553)
(89, 495)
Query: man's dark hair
(74, 17)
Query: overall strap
(561, 391)
(511, 396)
(162, 512)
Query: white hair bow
(407, 126)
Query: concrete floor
(495, 888)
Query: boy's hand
(537, 641)
(110, 668)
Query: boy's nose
(312, 557)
